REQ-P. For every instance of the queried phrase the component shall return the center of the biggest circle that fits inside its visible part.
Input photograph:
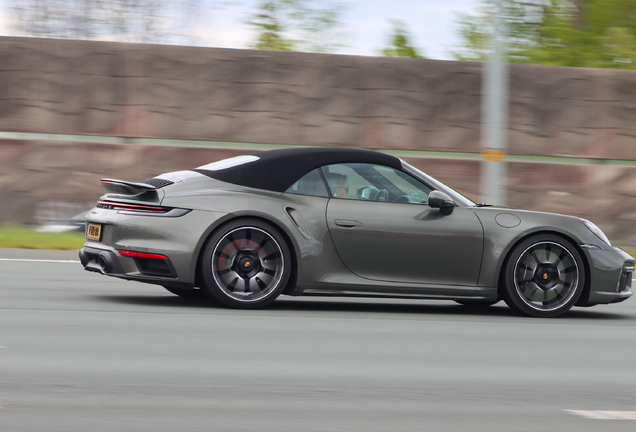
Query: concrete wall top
(102, 88)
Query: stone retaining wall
(129, 90)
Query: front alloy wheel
(544, 277)
(246, 264)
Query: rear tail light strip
(142, 210)
(112, 205)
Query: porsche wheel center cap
(545, 276)
(247, 265)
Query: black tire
(544, 276)
(477, 304)
(245, 265)
(186, 293)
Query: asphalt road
(83, 352)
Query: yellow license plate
(94, 231)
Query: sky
(431, 24)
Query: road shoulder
(38, 254)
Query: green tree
(583, 33)
(270, 31)
(399, 45)
(298, 25)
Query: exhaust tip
(83, 257)
(105, 261)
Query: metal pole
(495, 114)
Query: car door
(383, 228)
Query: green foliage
(582, 33)
(270, 30)
(297, 25)
(399, 43)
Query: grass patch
(16, 236)
(629, 250)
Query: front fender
(500, 240)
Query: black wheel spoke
(527, 268)
(232, 285)
(535, 255)
(261, 285)
(270, 272)
(529, 289)
(569, 269)
(559, 259)
(272, 256)
(526, 277)
(532, 258)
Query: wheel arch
(505, 257)
(231, 218)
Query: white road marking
(38, 260)
(604, 415)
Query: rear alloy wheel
(544, 277)
(246, 264)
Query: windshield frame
(458, 198)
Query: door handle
(347, 223)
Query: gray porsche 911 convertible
(344, 222)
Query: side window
(368, 182)
(413, 190)
(343, 180)
(310, 184)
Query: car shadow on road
(362, 306)
(432, 308)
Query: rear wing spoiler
(126, 188)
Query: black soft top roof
(277, 170)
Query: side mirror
(443, 202)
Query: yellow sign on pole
(493, 155)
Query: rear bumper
(177, 238)
(108, 262)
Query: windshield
(455, 196)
